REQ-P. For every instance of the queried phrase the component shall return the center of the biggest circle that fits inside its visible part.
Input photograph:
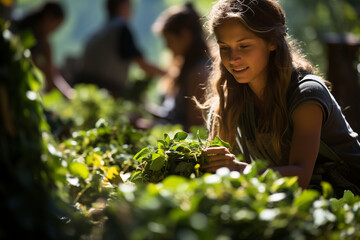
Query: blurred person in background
(110, 51)
(41, 23)
(181, 28)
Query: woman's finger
(226, 157)
(215, 150)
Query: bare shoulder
(308, 118)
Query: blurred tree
(310, 20)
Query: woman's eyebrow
(240, 40)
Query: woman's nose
(235, 55)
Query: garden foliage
(229, 205)
(30, 167)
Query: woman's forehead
(231, 29)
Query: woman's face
(51, 23)
(178, 43)
(124, 10)
(243, 54)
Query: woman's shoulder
(304, 78)
(309, 88)
(306, 83)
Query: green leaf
(157, 163)
(182, 147)
(348, 197)
(180, 136)
(161, 151)
(161, 144)
(184, 167)
(143, 153)
(327, 189)
(336, 204)
(198, 136)
(79, 169)
(135, 176)
(167, 139)
(218, 142)
(155, 155)
(305, 200)
(35, 83)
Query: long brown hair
(227, 98)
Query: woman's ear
(272, 46)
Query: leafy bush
(29, 168)
(88, 105)
(229, 205)
(99, 157)
(194, 205)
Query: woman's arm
(149, 68)
(53, 77)
(307, 122)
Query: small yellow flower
(112, 172)
(196, 167)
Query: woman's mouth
(239, 70)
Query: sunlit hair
(266, 19)
(174, 20)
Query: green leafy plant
(179, 155)
(31, 170)
(230, 205)
(98, 159)
(88, 105)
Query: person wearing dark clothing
(110, 51)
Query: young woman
(181, 28)
(265, 100)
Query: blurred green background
(308, 21)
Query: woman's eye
(244, 46)
(223, 48)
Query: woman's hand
(219, 157)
